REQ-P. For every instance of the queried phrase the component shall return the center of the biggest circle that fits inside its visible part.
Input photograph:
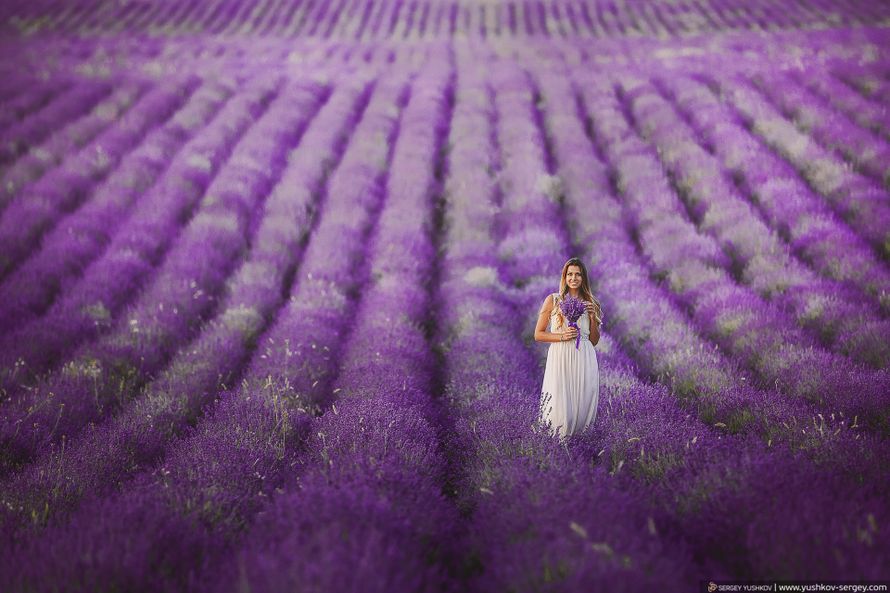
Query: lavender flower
(573, 309)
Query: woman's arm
(541, 333)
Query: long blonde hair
(584, 292)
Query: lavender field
(270, 269)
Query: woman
(570, 392)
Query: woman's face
(573, 277)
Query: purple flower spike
(573, 309)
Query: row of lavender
(851, 51)
(425, 19)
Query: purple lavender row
(305, 22)
(868, 80)
(249, 439)
(861, 202)
(368, 509)
(143, 431)
(531, 512)
(867, 153)
(76, 241)
(298, 355)
(224, 61)
(533, 246)
(569, 19)
(186, 288)
(349, 28)
(157, 26)
(674, 464)
(370, 22)
(32, 99)
(317, 18)
(811, 228)
(381, 20)
(12, 87)
(52, 151)
(868, 114)
(86, 307)
(263, 22)
(157, 56)
(852, 323)
(11, 90)
(228, 17)
(40, 206)
(338, 28)
(305, 17)
(127, 21)
(31, 131)
(403, 20)
(755, 332)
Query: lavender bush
(573, 309)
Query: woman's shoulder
(550, 300)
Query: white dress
(570, 392)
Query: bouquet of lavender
(573, 309)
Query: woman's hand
(591, 312)
(569, 333)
